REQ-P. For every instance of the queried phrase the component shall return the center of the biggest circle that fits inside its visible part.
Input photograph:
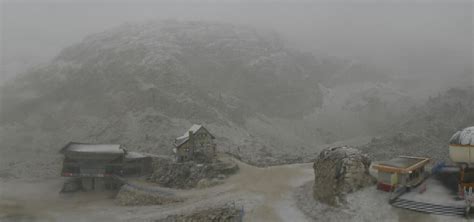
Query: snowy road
(264, 193)
(275, 184)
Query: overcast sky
(407, 37)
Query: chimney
(190, 134)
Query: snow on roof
(401, 162)
(182, 139)
(135, 155)
(94, 148)
(463, 137)
(194, 128)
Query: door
(394, 179)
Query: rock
(338, 171)
(189, 174)
(204, 183)
(220, 214)
(128, 196)
(221, 176)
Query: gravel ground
(280, 193)
(265, 194)
(22, 165)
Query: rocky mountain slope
(144, 84)
(426, 129)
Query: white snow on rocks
(463, 137)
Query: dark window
(131, 171)
(71, 169)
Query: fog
(407, 38)
(265, 110)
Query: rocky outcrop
(128, 196)
(190, 174)
(338, 171)
(222, 214)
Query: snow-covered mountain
(144, 84)
(425, 129)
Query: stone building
(197, 144)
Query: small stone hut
(197, 144)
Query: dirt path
(275, 184)
(264, 193)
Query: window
(384, 177)
(71, 169)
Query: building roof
(401, 164)
(184, 138)
(93, 148)
(132, 156)
(135, 155)
(463, 137)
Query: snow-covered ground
(279, 193)
(435, 193)
(370, 204)
(264, 193)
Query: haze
(251, 110)
(407, 38)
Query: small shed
(403, 171)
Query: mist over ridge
(236, 110)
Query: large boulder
(338, 171)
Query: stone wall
(128, 196)
(188, 175)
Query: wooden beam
(388, 169)
(385, 168)
(414, 157)
(418, 165)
